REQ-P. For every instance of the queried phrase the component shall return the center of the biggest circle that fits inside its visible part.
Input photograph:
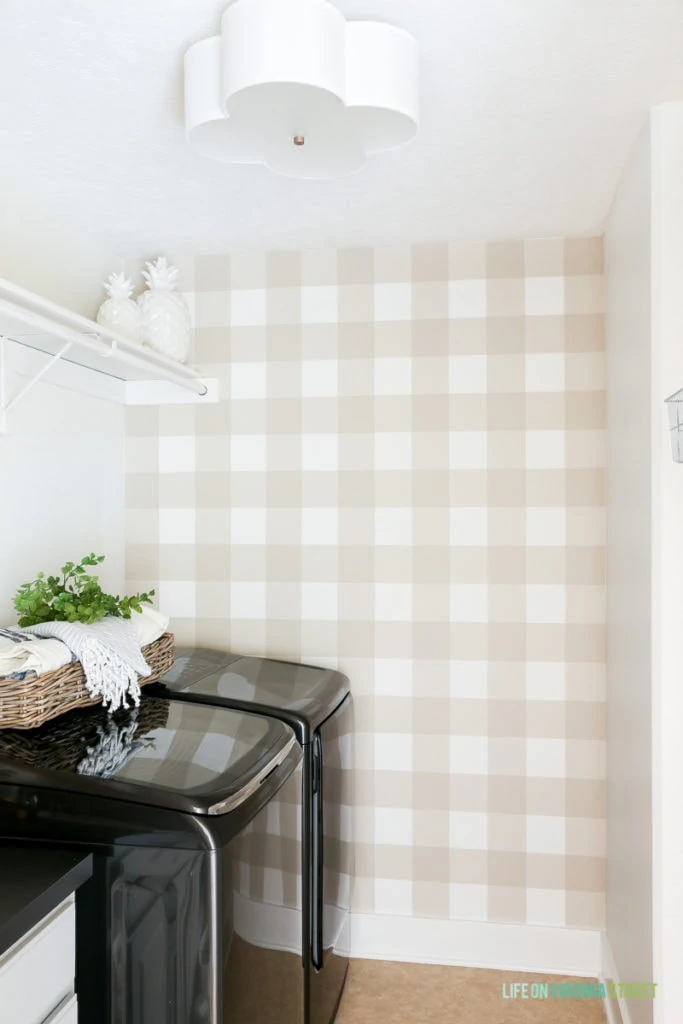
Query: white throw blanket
(22, 656)
(110, 655)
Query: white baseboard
(609, 972)
(506, 947)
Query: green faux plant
(75, 596)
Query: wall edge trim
(491, 945)
(609, 971)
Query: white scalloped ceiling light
(295, 86)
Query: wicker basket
(29, 703)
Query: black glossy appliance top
(304, 696)
(168, 754)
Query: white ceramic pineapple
(119, 311)
(166, 321)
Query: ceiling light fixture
(295, 86)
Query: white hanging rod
(25, 303)
(49, 319)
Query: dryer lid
(302, 692)
(185, 757)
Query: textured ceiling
(529, 109)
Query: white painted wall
(629, 571)
(74, 279)
(667, 577)
(644, 272)
(61, 485)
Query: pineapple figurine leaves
(119, 311)
(166, 321)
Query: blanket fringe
(108, 676)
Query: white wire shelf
(62, 335)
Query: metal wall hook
(110, 346)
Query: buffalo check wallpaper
(405, 479)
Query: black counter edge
(43, 900)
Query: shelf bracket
(8, 403)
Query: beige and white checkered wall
(405, 478)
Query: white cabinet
(37, 973)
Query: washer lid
(295, 693)
(185, 757)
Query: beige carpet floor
(392, 993)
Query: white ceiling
(529, 108)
